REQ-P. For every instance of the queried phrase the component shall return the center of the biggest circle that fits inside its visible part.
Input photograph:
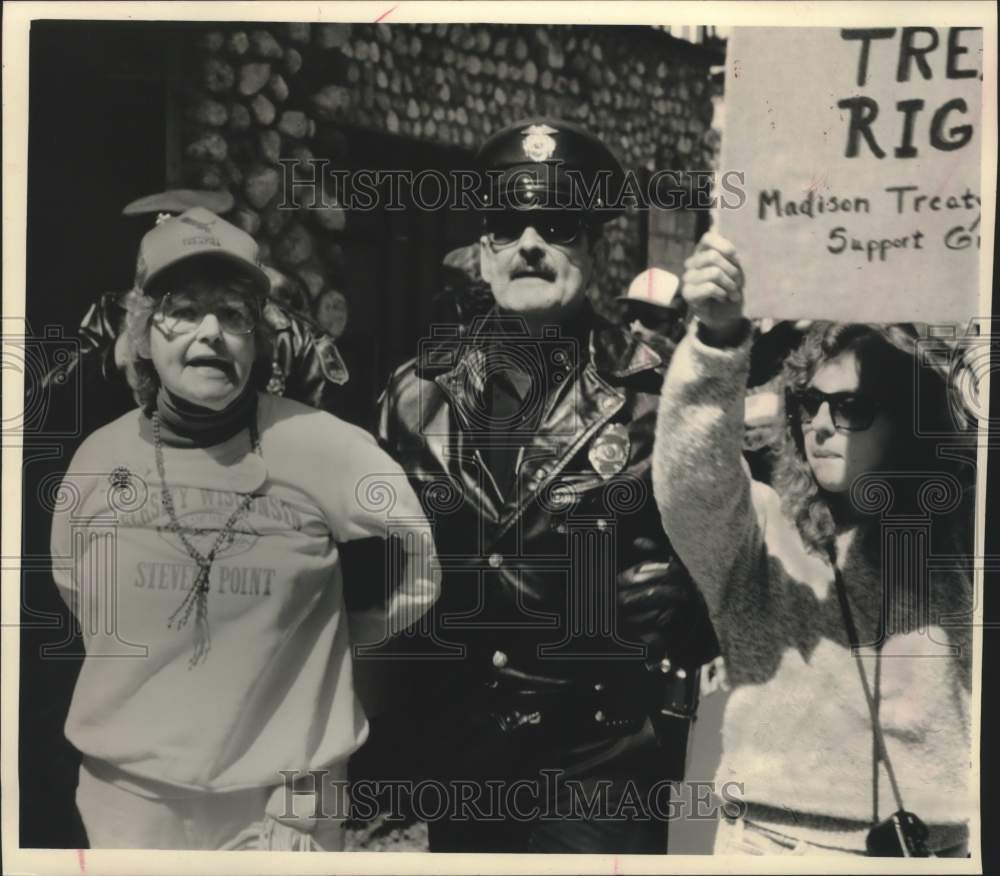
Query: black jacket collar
(616, 353)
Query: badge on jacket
(609, 451)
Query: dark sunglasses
(181, 312)
(561, 229)
(849, 411)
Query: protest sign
(861, 154)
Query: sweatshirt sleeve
(60, 552)
(87, 469)
(374, 499)
(701, 483)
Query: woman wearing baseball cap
(217, 683)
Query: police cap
(544, 163)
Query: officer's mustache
(541, 271)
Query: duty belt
(540, 705)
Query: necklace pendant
(196, 599)
(201, 582)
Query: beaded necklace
(196, 599)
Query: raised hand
(712, 286)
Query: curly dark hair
(889, 372)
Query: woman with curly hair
(217, 682)
(827, 740)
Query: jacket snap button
(499, 659)
(682, 674)
(599, 687)
(495, 560)
(560, 528)
(600, 717)
(665, 666)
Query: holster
(672, 721)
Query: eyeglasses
(561, 229)
(849, 411)
(182, 312)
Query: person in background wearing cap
(529, 440)
(655, 308)
(306, 364)
(221, 667)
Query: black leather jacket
(518, 570)
(306, 364)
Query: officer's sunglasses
(561, 229)
(849, 411)
(182, 312)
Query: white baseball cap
(198, 232)
(653, 286)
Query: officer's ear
(487, 260)
(598, 249)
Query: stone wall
(256, 94)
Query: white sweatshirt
(797, 730)
(275, 691)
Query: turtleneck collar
(185, 424)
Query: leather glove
(659, 606)
(651, 595)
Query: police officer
(567, 634)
